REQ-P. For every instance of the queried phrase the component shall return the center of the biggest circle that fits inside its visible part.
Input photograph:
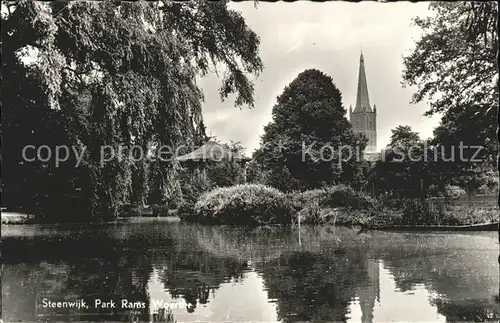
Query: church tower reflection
(369, 293)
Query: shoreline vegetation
(85, 142)
(255, 205)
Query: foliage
(454, 63)
(450, 191)
(165, 185)
(413, 167)
(227, 172)
(249, 204)
(469, 215)
(454, 66)
(94, 74)
(193, 184)
(468, 142)
(404, 168)
(16, 218)
(340, 204)
(403, 137)
(335, 196)
(453, 191)
(308, 116)
(160, 210)
(416, 211)
(255, 173)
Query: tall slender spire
(362, 98)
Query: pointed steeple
(362, 99)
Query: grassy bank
(260, 205)
(253, 205)
(16, 218)
(336, 204)
(244, 205)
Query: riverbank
(16, 218)
(254, 205)
(404, 218)
(459, 228)
(148, 219)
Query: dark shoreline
(471, 227)
(363, 227)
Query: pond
(166, 272)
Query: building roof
(362, 98)
(214, 152)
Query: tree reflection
(312, 281)
(462, 283)
(195, 276)
(313, 287)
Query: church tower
(363, 118)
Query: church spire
(362, 99)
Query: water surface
(193, 273)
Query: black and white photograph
(249, 161)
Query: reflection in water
(375, 299)
(237, 300)
(187, 273)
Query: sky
(327, 36)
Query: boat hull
(474, 227)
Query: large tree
(404, 168)
(301, 147)
(109, 73)
(454, 63)
(454, 67)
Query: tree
(469, 147)
(95, 74)
(403, 137)
(454, 63)
(454, 66)
(227, 172)
(302, 145)
(404, 168)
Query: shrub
(173, 194)
(465, 215)
(160, 210)
(417, 211)
(185, 211)
(453, 191)
(449, 191)
(194, 184)
(334, 196)
(281, 179)
(322, 205)
(308, 198)
(248, 204)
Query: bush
(194, 184)
(160, 210)
(186, 211)
(248, 204)
(334, 196)
(281, 179)
(453, 191)
(465, 215)
(449, 191)
(418, 212)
